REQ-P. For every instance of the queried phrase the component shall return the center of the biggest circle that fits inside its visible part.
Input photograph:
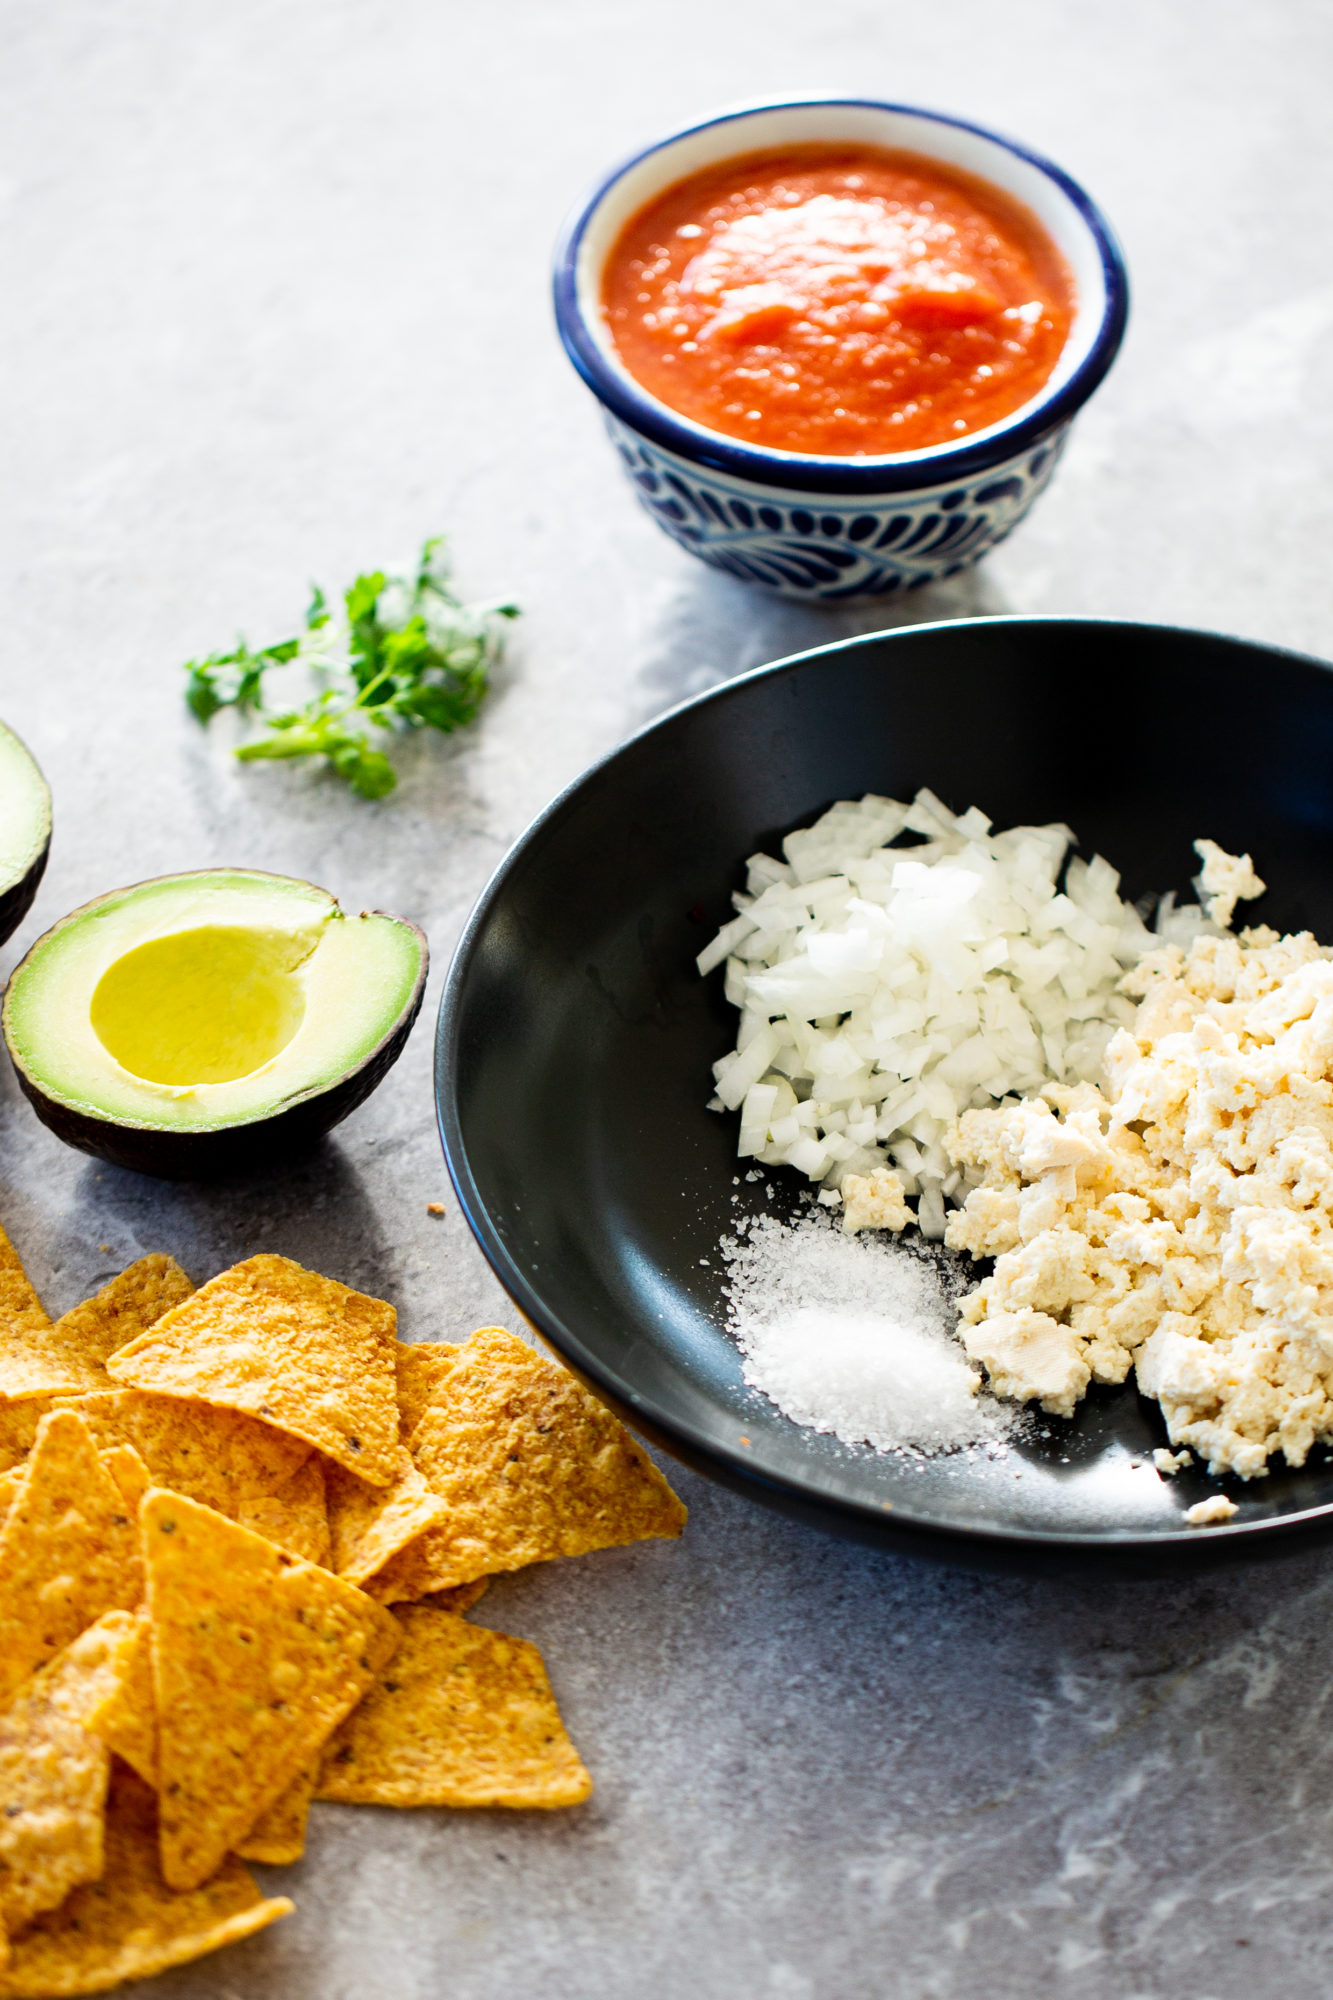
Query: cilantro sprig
(404, 653)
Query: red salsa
(839, 300)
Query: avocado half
(200, 1024)
(25, 830)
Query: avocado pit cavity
(202, 1006)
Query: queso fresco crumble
(1178, 1221)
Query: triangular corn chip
(125, 1715)
(128, 1473)
(129, 1925)
(125, 1718)
(418, 1367)
(82, 1340)
(461, 1598)
(278, 1342)
(277, 1837)
(27, 1367)
(266, 1480)
(461, 1717)
(415, 1572)
(10, 1483)
(256, 1658)
(39, 1359)
(369, 1524)
(53, 1774)
(68, 1550)
(530, 1466)
(406, 1580)
(295, 1515)
(18, 1428)
(20, 1306)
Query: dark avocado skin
(235, 1149)
(16, 901)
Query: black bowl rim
(1238, 1541)
(801, 472)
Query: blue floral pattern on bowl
(812, 546)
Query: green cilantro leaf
(407, 653)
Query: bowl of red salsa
(839, 344)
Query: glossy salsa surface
(842, 301)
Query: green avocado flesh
(208, 1000)
(25, 810)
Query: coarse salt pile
(851, 1335)
(884, 990)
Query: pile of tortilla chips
(239, 1527)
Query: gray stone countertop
(275, 306)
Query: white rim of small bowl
(1068, 214)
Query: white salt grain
(850, 1335)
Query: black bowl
(575, 1037)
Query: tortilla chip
(68, 1550)
(369, 1524)
(124, 1308)
(126, 1720)
(406, 1580)
(256, 1658)
(26, 1367)
(237, 1466)
(129, 1925)
(53, 1774)
(277, 1837)
(38, 1359)
(460, 1717)
(274, 1341)
(128, 1473)
(295, 1515)
(418, 1367)
(10, 1483)
(19, 1303)
(18, 1428)
(415, 1571)
(461, 1598)
(125, 1715)
(530, 1466)
(414, 1574)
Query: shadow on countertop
(314, 1208)
(716, 627)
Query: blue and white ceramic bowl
(815, 527)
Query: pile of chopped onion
(886, 989)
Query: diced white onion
(883, 990)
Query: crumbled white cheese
(875, 1201)
(1031, 1356)
(1181, 1222)
(1225, 880)
(1169, 1463)
(1204, 1513)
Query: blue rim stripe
(806, 473)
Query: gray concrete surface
(274, 306)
